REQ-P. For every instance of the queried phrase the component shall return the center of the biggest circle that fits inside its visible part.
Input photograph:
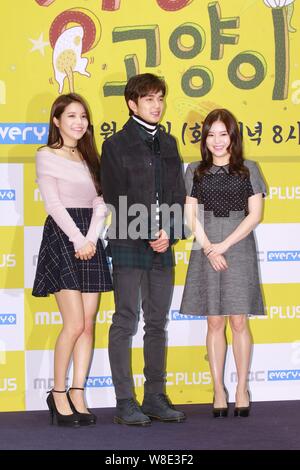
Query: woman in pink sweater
(72, 264)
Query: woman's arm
(98, 219)
(53, 206)
(255, 207)
(192, 214)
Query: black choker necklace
(71, 147)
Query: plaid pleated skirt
(236, 290)
(57, 267)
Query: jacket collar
(135, 140)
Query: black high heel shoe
(221, 412)
(85, 418)
(243, 411)
(55, 416)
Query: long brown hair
(236, 160)
(86, 145)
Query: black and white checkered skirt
(57, 267)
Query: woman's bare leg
(216, 349)
(241, 345)
(72, 311)
(82, 353)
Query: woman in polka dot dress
(223, 206)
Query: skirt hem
(84, 291)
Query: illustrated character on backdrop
(73, 32)
(67, 57)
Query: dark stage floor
(271, 425)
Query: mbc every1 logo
(8, 319)
(7, 195)
(23, 133)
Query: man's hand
(162, 243)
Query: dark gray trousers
(156, 288)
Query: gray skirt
(234, 291)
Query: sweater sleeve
(98, 218)
(47, 182)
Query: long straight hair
(86, 145)
(235, 149)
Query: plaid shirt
(131, 257)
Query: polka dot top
(221, 192)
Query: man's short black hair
(141, 85)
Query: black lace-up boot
(158, 406)
(129, 412)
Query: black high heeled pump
(243, 411)
(85, 418)
(71, 420)
(221, 412)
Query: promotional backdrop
(241, 55)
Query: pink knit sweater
(67, 184)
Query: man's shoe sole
(118, 420)
(167, 420)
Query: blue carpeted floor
(271, 425)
